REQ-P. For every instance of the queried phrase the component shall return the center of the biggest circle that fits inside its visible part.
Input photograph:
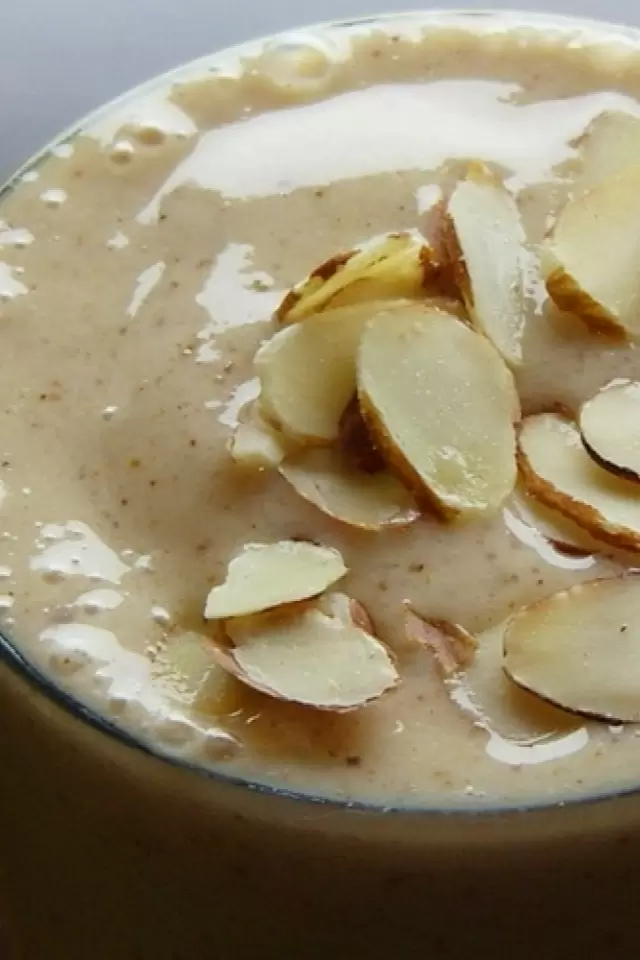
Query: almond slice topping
(591, 260)
(368, 501)
(439, 403)
(267, 575)
(580, 649)
(563, 533)
(557, 470)
(389, 268)
(610, 428)
(485, 242)
(309, 657)
(308, 373)
(609, 146)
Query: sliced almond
(256, 445)
(580, 649)
(557, 470)
(563, 533)
(610, 428)
(307, 373)
(310, 658)
(452, 646)
(350, 611)
(610, 145)
(485, 243)
(368, 501)
(591, 260)
(439, 402)
(391, 267)
(266, 575)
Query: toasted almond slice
(557, 470)
(307, 657)
(257, 445)
(189, 666)
(453, 647)
(610, 428)
(563, 533)
(368, 501)
(266, 575)
(350, 611)
(610, 145)
(485, 242)
(438, 400)
(591, 261)
(393, 267)
(580, 649)
(307, 373)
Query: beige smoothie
(158, 802)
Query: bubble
(109, 412)
(61, 614)
(297, 65)
(122, 151)
(160, 615)
(5, 573)
(30, 176)
(6, 602)
(150, 135)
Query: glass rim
(598, 33)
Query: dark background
(60, 58)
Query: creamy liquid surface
(139, 266)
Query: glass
(108, 852)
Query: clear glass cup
(110, 850)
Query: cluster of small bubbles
(109, 412)
(122, 151)
(150, 135)
(160, 616)
(220, 745)
(145, 562)
(54, 197)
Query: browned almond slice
(610, 145)
(452, 646)
(308, 373)
(557, 470)
(591, 261)
(350, 611)
(266, 575)
(439, 403)
(563, 533)
(308, 657)
(369, 501)
(610, 428)
(580, 649)
(485, 243)
(390, 267)
(257, 445)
